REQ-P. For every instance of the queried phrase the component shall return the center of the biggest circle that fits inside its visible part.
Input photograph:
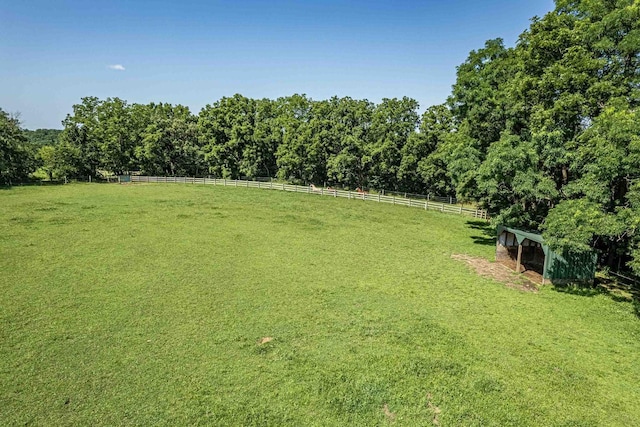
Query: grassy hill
(192, 305)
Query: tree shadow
(580, 289)
(487, 233)
(481, 225)
(55, 183)
(482, 240)
(31, 184)
(607, 286)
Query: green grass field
(146, 305)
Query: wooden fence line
(400, 201)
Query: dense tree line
(340, 141)
(548, 132)
(42, 137)
(545, 134)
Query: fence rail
(627, 278)
(395, 200)
(430, 197)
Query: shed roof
(521, 235)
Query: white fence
(401, 201)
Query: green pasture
(146, 305)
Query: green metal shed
(531, 253)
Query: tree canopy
(553, 123)
(17, 157)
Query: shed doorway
(526, 257)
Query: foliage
(17, 159)
(391, 124)
(47, 157)
(553, 127)
(42, 137)
(169, 144)
(341, 141)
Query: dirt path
(497, 272)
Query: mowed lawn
(147, 305)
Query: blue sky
(52, 53)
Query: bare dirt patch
(390, 415)
(434, 409)
(265, 340)
(497, 272)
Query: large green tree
(17, 159)
(42, 137)
(169, 142)
(393, 121)
(294, 115)
(546, 130)
(423, 168)
(226, 131)
(349, 163)
(80, 131)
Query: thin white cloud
(117, 67)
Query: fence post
(394, 200)
(224, 182)
(349, 194)
(283, 186)
(460, 210)
(378, 197)
(425, 205)
(258, 184)
(442, 208)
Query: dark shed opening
(526, 252)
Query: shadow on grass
(610, 287)
(54, 183)
(486, 241)
(31, 184)
(487, 233)
(481, 225)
